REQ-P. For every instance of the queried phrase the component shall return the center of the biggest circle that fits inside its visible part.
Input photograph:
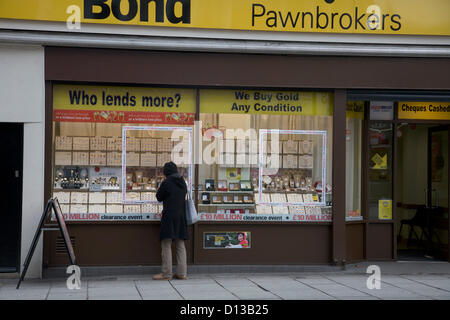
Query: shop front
(262, 157)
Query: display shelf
(228, 192)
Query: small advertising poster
(105, 178)
(227, 240)
(233, 174)
(385, 209)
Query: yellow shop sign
(266, 102)
(424, 110)
(405, 17)
(118, 98)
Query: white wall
(22, 100)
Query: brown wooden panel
(355, 242)
(339, 159)
(270, 244)
(379, 241)
(217, 69)
(112, 245)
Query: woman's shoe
(161, 276)
(180, 277)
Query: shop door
(11, 161)
(437, 201)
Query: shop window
(354, 134)
(266, 156)
(90, 149)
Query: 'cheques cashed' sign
(332, 16)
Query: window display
(89, 176)
(272, 162)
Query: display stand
(51, 204)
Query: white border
(263, 132)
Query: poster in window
(227, 240)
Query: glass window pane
(354, 121)
(380, 170)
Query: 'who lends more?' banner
(72, 103)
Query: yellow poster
(121, 98)
(384, 209)
(355, 110)
(233, 174)
(424, 110)
(399, 17)
(380, 162)
(266, 102)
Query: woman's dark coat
(172, 193)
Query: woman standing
(172, 193)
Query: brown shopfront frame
(138, 244)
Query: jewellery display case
(90, 180)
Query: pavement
(414, 280)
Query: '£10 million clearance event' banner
(76, 103)
(404, 17)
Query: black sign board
(52, 204)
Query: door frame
(19, 130)
(444, 127)
(440, 125)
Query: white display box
(290, 147)
(290, 161)
(114, 208)
(97, 208)
(133, 144)
(97, 197)
(305, 162)
(78, 197)
(148, 196)
(63, 197)
(149, 208)
(162, 158)
(80, 158)
(165, 145)
(133, 159)
(306, 147)
(98, 143)
(63, 143)
(114, 197)
(65, 208)
(295, 197)
(148, 159)
(132, 208)
(97, 158)
(80, 143)
(63, 158)
(114, 159)
(278, 197)
(280, 210)
(260, 209)
(78, 208)
(297, 210)
(133, 196)
(114, 144)
(148, 144)
(308, 198)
